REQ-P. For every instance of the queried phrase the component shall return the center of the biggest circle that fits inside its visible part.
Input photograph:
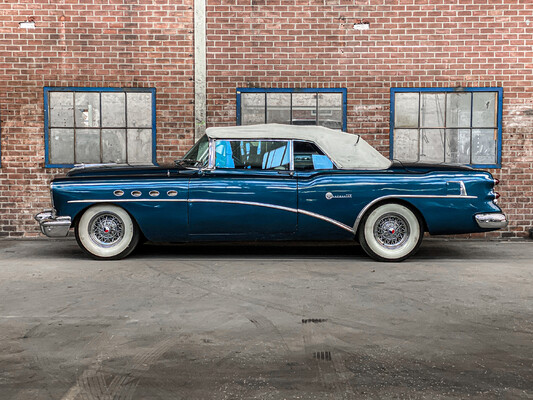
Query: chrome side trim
(462, 188)
(402, 196)
(121, 200)
(289, 209)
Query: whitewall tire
(391, 232)
(107, 232)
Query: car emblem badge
(330, 196)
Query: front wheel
(107, 232)
(390, 232)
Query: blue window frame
(99, 125)
(447, 125)
(325, 107)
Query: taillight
(496, 181)
(496, 195)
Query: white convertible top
(348, 151)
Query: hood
(114, 170)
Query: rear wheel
(107, 232)
(390, 232)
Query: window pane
(432, 110)
(87, 109)
(458, 110)
(139, 144)
(61, 109)
(252, 108)
(61, 146)
(432, 145)
(304, 108)
(139, 110)
(406, 110)
(252, 154)
(113, 110)
(406, 145)
(87, 146)
(279, 108)
(458, 146)
(484, 146)
(307, 156)
(484, 109)
(330, 110)
(114, 146)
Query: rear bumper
(52, 225)
(491, 220)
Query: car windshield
(197, 156)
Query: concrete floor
(249, 322)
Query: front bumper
(52, 225)
(491, 220)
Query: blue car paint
(251, 204)
(275, 205)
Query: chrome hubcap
(391, 230)
(106, 229)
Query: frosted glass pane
(406, 145)
(484, 109)
(113, 110)
(61, 146)
(114, 146)
(432, 145)
(432, 110)
(61, 109)
(87, 109)
(139, 110)
(304, 108)
(458, 146)
(458, 110)
(279, 108)
(139, 144)
(87, 146)
(330, 110)
(484, 146)
(252, 108)
(406, 110)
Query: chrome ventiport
(136, 193)
(118, 193)
(154, 193)
(172, 193)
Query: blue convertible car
(272, 182)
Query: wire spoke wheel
(107, 232)
(391, 230)
(106, 229)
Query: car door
(325, 195)
(250, 193)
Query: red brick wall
(87, 43)
(410, 43)
(259, 43)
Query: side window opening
(307, 156)
(249, 154)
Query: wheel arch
(386, 200)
